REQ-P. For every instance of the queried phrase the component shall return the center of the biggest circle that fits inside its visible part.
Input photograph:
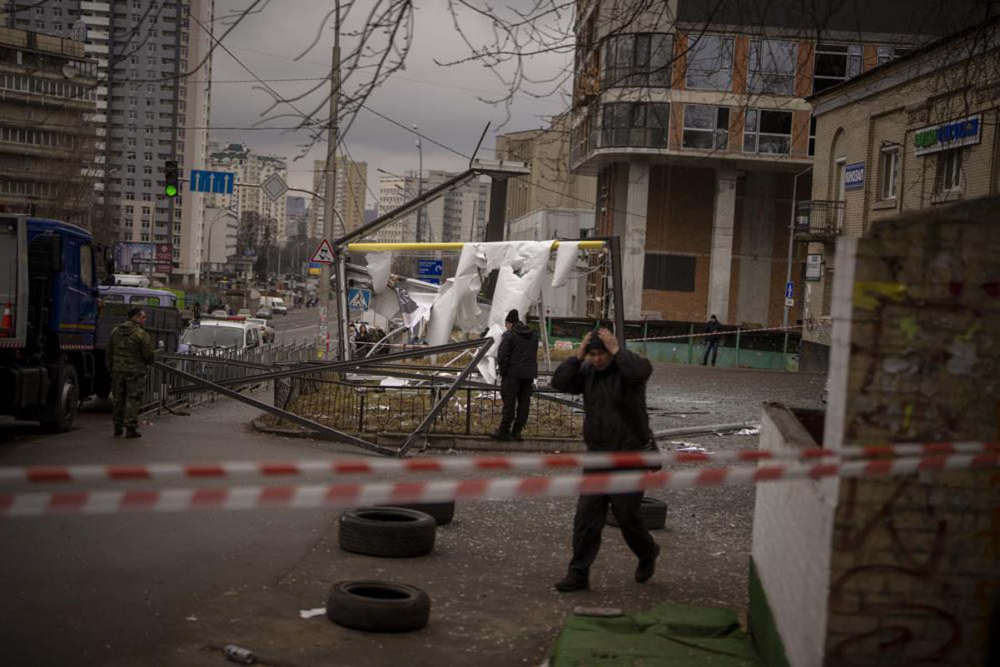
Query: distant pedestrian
(517, 363)
(128, 354)
(712, 340)
(613, 383)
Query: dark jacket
(614, 400)
(129, 349)
(518, 354)
(712, 327)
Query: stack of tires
(386, 532)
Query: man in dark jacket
(613, 384)
(517, 362)
(128, 353)
(711, 340)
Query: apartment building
(297, 211)
(155, 107)
(349, 202)
(694, 120)
(48, 143)
(393, 192)
(919, 132)
(251, 170)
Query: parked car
(264, 313)
(266, 332)
(245, 312)
(221, 335)
(219, 313)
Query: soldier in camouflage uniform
(129, 352)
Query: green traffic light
(171, 190)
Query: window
(130, 182)
(706, 127)
(772, 67)
(890, 53)
(671, 273)
(812, 136)
(888, 172)
(86, 265)
(639, 124)
(767, 131)
(147, 183)
(949, 170)
(835, 63)
(638, 60)
(710, 63)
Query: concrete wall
(915, 567)
(792, 527)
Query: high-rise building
(47, 141)
(154, 71)
(460, 215)
(251, 170)
(393, 192)
(297, 211)
(352, 179)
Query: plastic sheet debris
(749, 431)
(687, 447)
(311, 613)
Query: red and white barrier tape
(387, 493)
(455, 464)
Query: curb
(441, 441)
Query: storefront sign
(814, 267)
(964, 132)
(854, 176)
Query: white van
(230, 334)
(275, 303)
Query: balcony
(819, 220)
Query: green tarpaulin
(668, 634)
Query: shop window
(888, 173)
(636, 124)
(835, 63)
(638, 60)
(767, 131)
(710, 62)
(772, 67)
(949, 170)
(706, 127)
(669, 273)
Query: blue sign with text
(854, 176)
(430, 270)
(218, 182)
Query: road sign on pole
(430, 270)
(218, 182)
(323, 254)
(789, 290)
(359, 299)
(274, 187)
(789, 302)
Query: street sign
(814, 267)
(323, 254)
(274, 187)
(218, 182)
(359, 299)
(789, 290)
(789, 302)
(430, 270)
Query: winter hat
(512, 317)
(596, 344)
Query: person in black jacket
(712, 340)
(517, 362)
(613, 383)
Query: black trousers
(591, 512)
(711, 346)
(516, 395)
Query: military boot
(119, 430)
(130, 432)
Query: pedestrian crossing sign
(359, 299)
(323, 254)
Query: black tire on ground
(387, 532)
(65, 401)
(378, 606)
(653, 512)
(443, 513)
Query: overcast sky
(441, 100)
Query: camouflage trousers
(126, 390)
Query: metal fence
(362, 407)
(217, 365)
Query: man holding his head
(613, 383)
(129, 352)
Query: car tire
(387, 532)
(653, 513)
(65, 401)
(443, 513)
(378, 606)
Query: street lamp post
(211, 227)
(421, 218)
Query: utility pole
(331, 191)
(422, 231)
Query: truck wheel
(66, 401)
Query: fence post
(361, 415)
(691, 344)
(737, 347)
(468, 412)
(645, 335)
(784, 354)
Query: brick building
(916, 133)
(695, 122)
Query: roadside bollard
(244, 656)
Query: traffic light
(173, 187)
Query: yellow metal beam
(379, 247)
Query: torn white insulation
(566, 255)
(379, 266)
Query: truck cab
(49, 297)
